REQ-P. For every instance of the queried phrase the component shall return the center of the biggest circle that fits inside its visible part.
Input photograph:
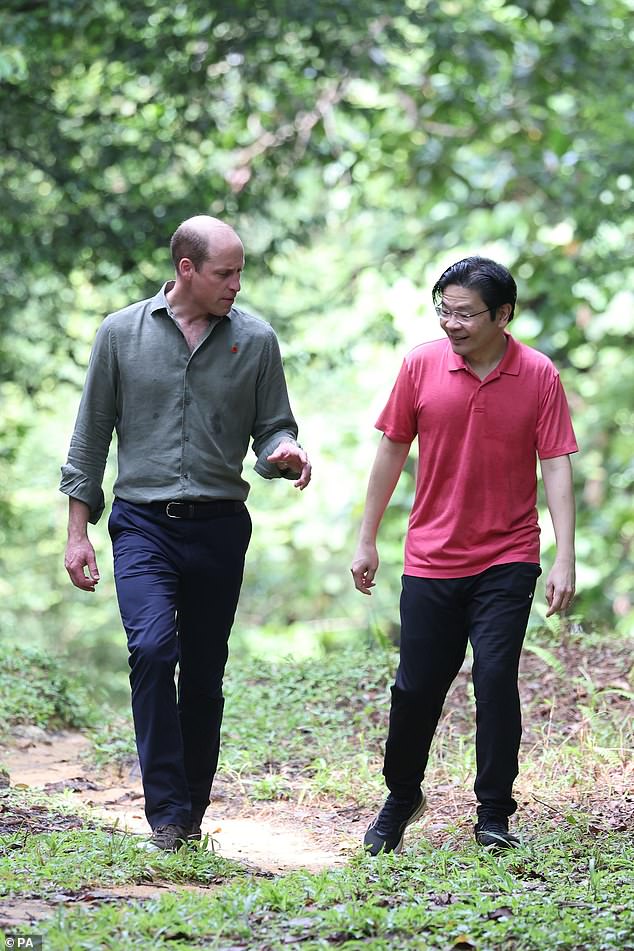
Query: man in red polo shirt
(484, 408)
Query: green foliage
(359, 149)
(113, 741)
(301, 713)
(38, 689)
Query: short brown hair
(188, 242)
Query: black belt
(211, 509)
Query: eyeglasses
(444, 313)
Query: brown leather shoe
(195, 833)
(167, 838)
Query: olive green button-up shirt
(183, 419)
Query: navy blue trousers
(438, 618)
(178, 583)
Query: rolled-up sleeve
(82, 475)
(274, 421)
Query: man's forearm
(558, 486)
(388, 465)
(78, 513)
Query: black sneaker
(168, 838)
(494, 835)
(386, 832)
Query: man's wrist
(365, 540)
(74, 537)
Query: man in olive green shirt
(187, 380)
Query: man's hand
(365, 565)
(290, 456)
(81, 564)
(560, 587)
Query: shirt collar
(159, 301)
(510, 362)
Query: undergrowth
(37, 688)
(317, 727)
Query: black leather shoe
(386, 832)
(494, 835)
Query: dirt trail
(272, 837)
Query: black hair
(493, 282)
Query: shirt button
(186, 438)
(185, 475)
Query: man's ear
(185, 268)
(503, 314)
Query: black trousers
(438, 618)
(178, 582)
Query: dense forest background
(358, 148)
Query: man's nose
(235, 283)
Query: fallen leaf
(464, 941)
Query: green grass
(47, 847)
(560, 893)
(293, 728)
(36, 688)
(316, 729)
(311, 727)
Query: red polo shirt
(476, 489)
